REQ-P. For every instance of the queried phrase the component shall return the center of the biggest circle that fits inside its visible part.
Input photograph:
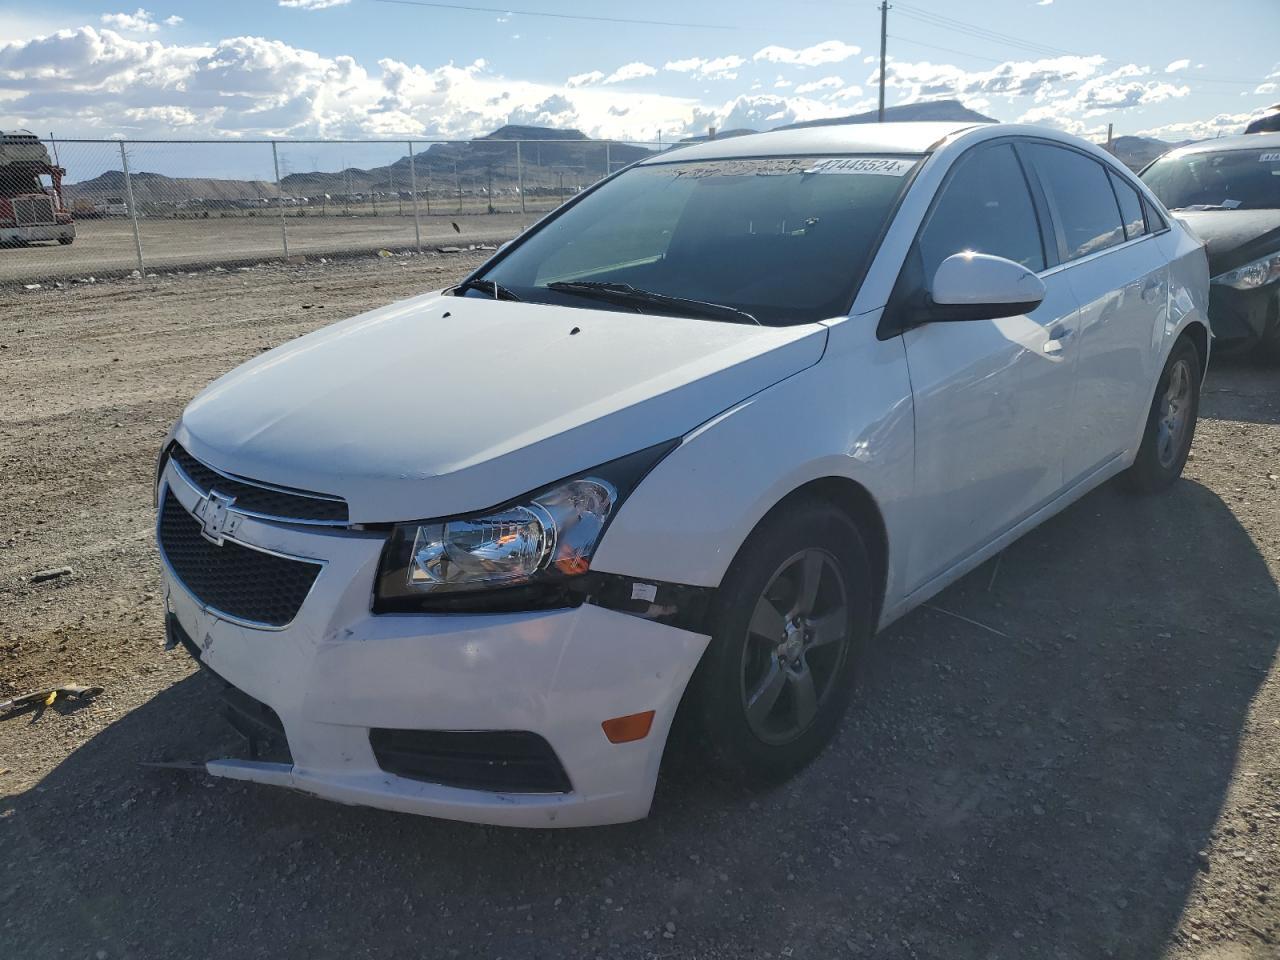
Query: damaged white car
(686, 444)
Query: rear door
(1120, 279)
(992, 397)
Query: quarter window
(1082, 198)
(1130, 207)
(985, 208)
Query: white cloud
(826, 83)
(1220, 125)
(719, 68)
(630, 71)
(1043, 3)
(313, 4)
(1177, 65)
(140, 21)
(1015, 78)
(585, 79)
(829, 51)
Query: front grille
(28, 211)
(234, 580)
(298, 506)
(500, 761)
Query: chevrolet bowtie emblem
(217, 520)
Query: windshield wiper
(491, 287)
(626, 294)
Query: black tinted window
(1130, 208)
(985, 207)
(785, 239)
(1082, 199)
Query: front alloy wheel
(797, 639)
(788, 627)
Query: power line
(934, 46)
(983, 33)
(555, 16)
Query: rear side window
(1130, 207)
(1082, 199)
(985, 208)
(1155, 221)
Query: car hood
(1234, 237)
(441, 405)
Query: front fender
(848, 416)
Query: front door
(992, 397)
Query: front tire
(789, 627)
(1171, 423)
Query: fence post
(413, 189)
(608, 163)
(133, 209)
(284, 234)
(520, 177)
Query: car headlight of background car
(1259, 272)
(524, 554)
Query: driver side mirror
(980, 286)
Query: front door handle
(1058, 335)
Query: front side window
(784, 239)
(1082, 199)
(1227, 180)
(985, 207)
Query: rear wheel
(1171, 423)
(789, 626)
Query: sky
(370, 68)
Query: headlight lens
(557, 530)
(1252, 275)
(540, 541)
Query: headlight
(520, 555)
(1261, 271)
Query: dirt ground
(1070, 754)
(106, 247)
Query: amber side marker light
(634, 726)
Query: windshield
(1230, 180)
(783, 239)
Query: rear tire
(1171, 423)
(790, 625)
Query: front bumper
(1240, 318)
(36, 232)
(337, 671)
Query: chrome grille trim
(303, 495)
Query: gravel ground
(1070, 754)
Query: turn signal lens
(634, 726)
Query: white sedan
(688, 443)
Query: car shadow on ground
(1033, 764)
(1241, 388)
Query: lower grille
(501, 761)
(237, 581)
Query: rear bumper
(337, 672)
(40, 231)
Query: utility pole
(884, 30)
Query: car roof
(916, 137)
(1241, 141)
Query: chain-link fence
(75, 209)
(120, 206)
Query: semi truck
(31, 208)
